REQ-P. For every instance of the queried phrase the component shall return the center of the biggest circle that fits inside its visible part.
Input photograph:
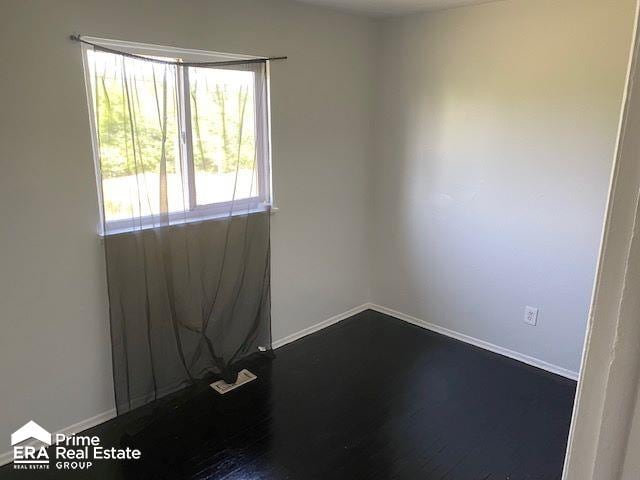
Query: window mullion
(189, 180)
(263, 147)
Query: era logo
(29, 456)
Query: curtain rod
(78, 38)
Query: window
(192, 141)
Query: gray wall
(631, 465)
(54, 347)
(496, 133)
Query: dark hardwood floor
(370, 398)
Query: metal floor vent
(244, 376)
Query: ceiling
(393, 7)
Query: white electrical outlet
(531, 315)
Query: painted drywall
(496, 132)
(55, 363)
(631, 465)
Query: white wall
(54, 346)
(496, 133)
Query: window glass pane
(136, 113)
(223, 125)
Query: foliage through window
(189, 140)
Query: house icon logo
(28, 431)
(30, 455)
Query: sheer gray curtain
(183, 172)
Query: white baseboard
(319, 326)
(521, 357)
(7, 457)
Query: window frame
(194, 213)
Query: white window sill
(193, 218)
